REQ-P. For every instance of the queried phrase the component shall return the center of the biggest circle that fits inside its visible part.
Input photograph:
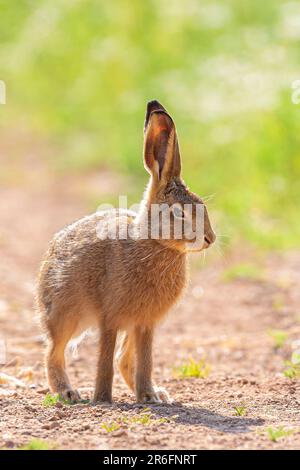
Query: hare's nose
(210, 237)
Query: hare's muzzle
(209, 239)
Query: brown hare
(121, 284)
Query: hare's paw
(157, 395)
(163, 395)
(70, 395)
(102, 396)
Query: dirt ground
(227, 321)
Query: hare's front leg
(103, 390)
(145, 391)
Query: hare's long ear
(161, 150)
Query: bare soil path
(227, 321)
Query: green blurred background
(79, 73)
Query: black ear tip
(153, 105)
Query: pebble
(51, 425)
(43, 391)
(118, 433)
(9, 444)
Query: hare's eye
(178, 213)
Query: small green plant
(240, 410)
(110, 427)
(293, 367)
(145, 418)
(36, 444)
(279, 336)
(199, 369)
(242, 271)
(277, 433)
(51, 400)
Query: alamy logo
(2, 92)
(159, 221)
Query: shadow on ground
(197, 416)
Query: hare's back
(77, 258)
(86, 234)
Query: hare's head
(182, 219)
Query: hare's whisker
(208, 198)
(154, 253)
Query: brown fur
(118, 285)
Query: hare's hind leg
(61, 328)
(125, 359)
